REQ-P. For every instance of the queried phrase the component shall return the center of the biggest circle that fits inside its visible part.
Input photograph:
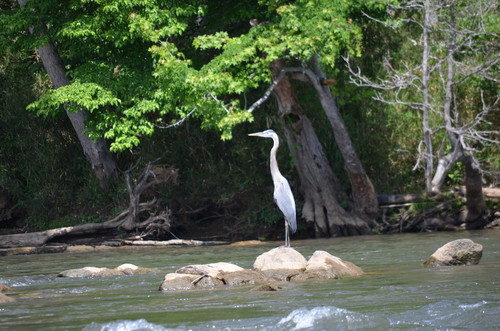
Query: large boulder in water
(211, 275)
(283, 263)
(456, 252)
(323, 265)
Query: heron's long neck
(274, 164)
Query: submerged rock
(4, 288)
(212, 269)
(5, 298)
(131, 269)
(266, 288)
(457, 252)
(90, 272)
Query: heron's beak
(257, 134)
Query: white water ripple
(328, 318)
(126, 325)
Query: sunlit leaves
(127, 68)
(297, 31)
(75, 96)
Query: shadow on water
(396, 293)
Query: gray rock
(457, 252)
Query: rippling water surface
(397, 293)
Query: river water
(396, 293)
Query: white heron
(282, 193)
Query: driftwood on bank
(43, 237)
(397, 199)
(389, 199)
(172, 242)
(488, 192)
(411, 222)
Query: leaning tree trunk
(97, 152)
(476, 206)
(363, 191)
(319, 184)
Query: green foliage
(134, 74)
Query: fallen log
(488, 192)
(172, 242)
(389, 199)
(42, 237)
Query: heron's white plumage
(282, 193)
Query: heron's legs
(287, 235)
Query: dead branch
(411, 222)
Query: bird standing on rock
(282, 193)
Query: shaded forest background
(220, 188)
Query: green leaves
(296, 31)
(128, 64)
(76, 96)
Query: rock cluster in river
(456, 252)
(272, 268)
(269, 269)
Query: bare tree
(449, 48)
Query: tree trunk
(476, 206)
(97, 152)
(426, 107)
(319, 185)
(363, 192)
